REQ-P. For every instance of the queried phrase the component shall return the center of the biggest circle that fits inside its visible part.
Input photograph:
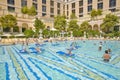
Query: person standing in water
(106, 56)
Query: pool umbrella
(53, 29)
(6, 35)
(18, 35)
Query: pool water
(86, 64)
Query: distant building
(47, 9)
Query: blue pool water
(86, 64)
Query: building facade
(47, 9)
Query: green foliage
(99, 12)
(24, 10)
(28, 33)
(39, 25)
(60, 23)
(93, 13)
(93, 33)
(16, 29)
(77, 33)
(46, 33)
(64, 16)
(8, 21)
(84, 26)
(116, 34)
(73, 16)
(32, 11)
(113, 34)
(73, 25)
(109, 21)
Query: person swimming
(38, 49)
(109, 51)
(106, 56)
(100, 47)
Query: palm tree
(8, 21)
(85, 26)
(94, 13)
(109, 22)
(60, 23)
(73, 25)
(24, 10)
(39, 25)
(32, 11)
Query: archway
(48, 27)
(90, 27)
(95, 27)
(6, 29)
(24, 26)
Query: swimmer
(106, 56)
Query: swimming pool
(86, 64)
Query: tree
(29, 33)
(60, 23)
(99, 12)
(39, 25)
(46, 33)
(84, 26)
(109, 21)
(24, 10)
(73, 25)
(94, 13)
(8, 21)
(32, 11)
(73, 16)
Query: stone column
(20, 29)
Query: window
(58, 5)
(67, 13)
(43, 8)
(10, 2)
(80, 15)
(35, 0)
(73, 11)
(81, 3)
(51, 15)
(67, 7)
(51, 10)
(113, 9)
(100, 6)
(100, 0)
(73, 5)
(11, 9)
(35, 5)
(89, 8)
(43, 14)
(23, 3)
(80, 10)
(63, 7)
(89, 1)
(58, 11)
(116, 28)
(44, 1)
(112, 3)
(51, 3)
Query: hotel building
(47, 9)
